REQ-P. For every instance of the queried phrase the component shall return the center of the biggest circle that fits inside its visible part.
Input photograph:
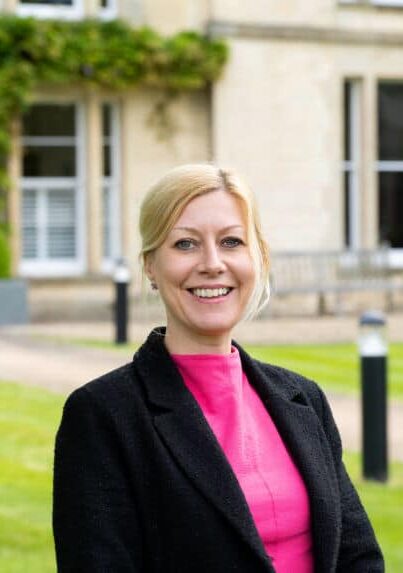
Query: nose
(211, 262)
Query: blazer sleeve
(94, 517)
(359, 550)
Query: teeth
(210, 292)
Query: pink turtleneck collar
(266, 473)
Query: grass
(384, 505)
(28, 422)
(335, 367)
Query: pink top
(269, 479)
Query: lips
(210, 292)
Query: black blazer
(142, 485)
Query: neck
(182, 343)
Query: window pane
(61, 224)
(107, 163)
(390, 127)
(50, 120)
(48, 2)
(49, 161)
(106, 120)
(347, 120)
(391, 209)
(29, 228)
(347, 214)
(109, 188)
(107, 134)
(107, 222)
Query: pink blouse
(266, 473)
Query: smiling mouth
(210, 292)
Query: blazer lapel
(182, 426)
(300, 428)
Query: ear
(149, 266)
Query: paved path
(269, 331)
(39, 355)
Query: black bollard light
(121, 278)
(373, 352)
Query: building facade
(319, 86)
(309, 109)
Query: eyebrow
(193, 230)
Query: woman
(195, 457)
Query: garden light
(373, 352)
(121, 278)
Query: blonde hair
(168, 197)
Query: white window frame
(114, 184)
(46, 267)
(109, 12)
(352, 166)
(395, 255)
(385, 3)
(73, 12)
(390, 3)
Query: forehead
(217, 209)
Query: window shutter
(61, 223)
(29, 224)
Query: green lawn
(28, 421)
(384, 504)
(333, 366)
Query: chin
(214, 327)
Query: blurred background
(308, 108)
(303, 99)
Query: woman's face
(204, 273)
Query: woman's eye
(232, 242)
(184, 244)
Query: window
(65, 9)
(390, 166)
(52, 190)
(110, 185)
(352, 146)
(386, 3)
(108, 9)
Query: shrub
(5, 257)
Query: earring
(153, 285)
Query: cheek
(247, 272)
(171, 272)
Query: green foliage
(109, 55)
(5, 262)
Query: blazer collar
(154, 361)
(181, 424)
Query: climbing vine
(109, 55)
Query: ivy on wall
(109, 55)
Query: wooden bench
(334, 272)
